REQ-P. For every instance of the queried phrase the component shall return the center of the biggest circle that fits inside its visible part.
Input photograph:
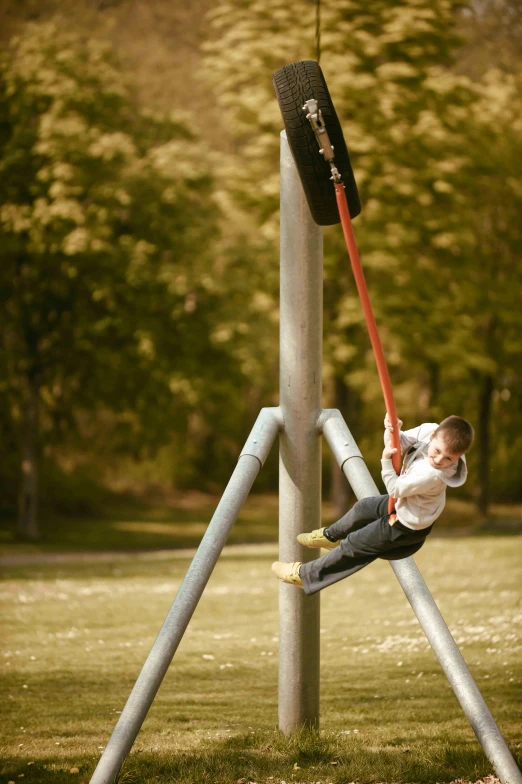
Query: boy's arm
(388, 430)
(407, 484)
(410, 437)
(419, 433)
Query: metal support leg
(252, 458)
(444, 646)
(300, 445)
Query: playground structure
(300, 421)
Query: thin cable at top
(317, 30)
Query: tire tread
(294, 84)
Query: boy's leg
(358, 549)
(329, 569)
(361, 514)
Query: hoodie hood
(455, 474)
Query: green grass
(134, 524)
(75, 637)
(179, 520)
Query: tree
(106, 284)
(492, 33)
(408, 120)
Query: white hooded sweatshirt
(420, 490)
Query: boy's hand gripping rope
(326, 149)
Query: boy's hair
(457, 433)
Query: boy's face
(439, 456)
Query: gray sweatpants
(365, 535)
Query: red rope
(382, 367)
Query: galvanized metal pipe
(456, 671)
(252, 458)
(300, 445)
(444, 646)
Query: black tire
(294, 84)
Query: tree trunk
(483, 443)
(28, 517)
(341, 494)
(434, 372)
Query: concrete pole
(439, 636)
(301, 312)
(251, 459)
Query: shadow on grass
(309, 757)
(306, 756)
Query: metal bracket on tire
(326, 148)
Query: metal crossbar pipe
(439, 636)
(301, 316)
(251, 459)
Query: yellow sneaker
(288, 572)
(316, 539)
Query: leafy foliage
(106, 283)
(430, 150)
(139, 277)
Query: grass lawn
(124, 523)
(75, 636)
(180, 520)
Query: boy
(434, 459)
